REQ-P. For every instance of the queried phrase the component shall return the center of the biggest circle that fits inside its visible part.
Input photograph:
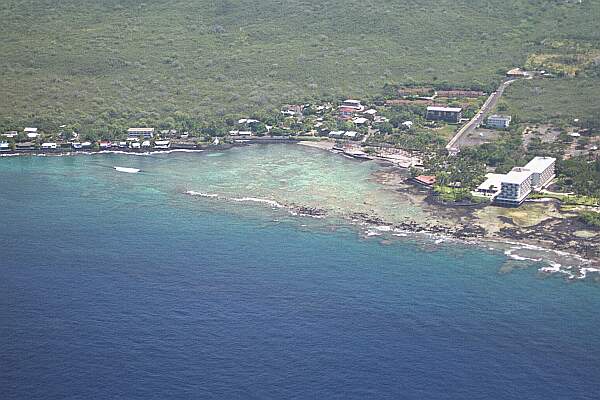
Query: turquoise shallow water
(119, 285)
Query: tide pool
(119, 285)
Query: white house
(351, 135)
(355, 104)
(48, 146)
(4, 146)
(162, 144)
(499, 121)
(371, 112)
(32, 133)
(248, 121)
(11, 134)
(360, 120)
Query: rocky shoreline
(460, 221)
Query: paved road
(453, 146)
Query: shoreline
(551, 261)
(457, 223)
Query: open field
(106, 64)
(554, 100)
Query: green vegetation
(450, 195)
(104, 65)
(568, 200)
(591, 218)
(580, 176)
(556, 100)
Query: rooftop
(134, 130)
(503, 117)
(540, 164)
(426, 179)
(492, 181)
(517, 176)
(444, 109)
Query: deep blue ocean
(114, 289)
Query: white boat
(127, 170)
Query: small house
(360, 120)
(25, 146)
(49, 146)
(11, 134)
(351, 135)
(105, 144)
(4, 146)
(516, 73)
(146, 143)
(425, 180)
(370, 112)
(353, 104)
(162, 144)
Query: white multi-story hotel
(513, 188)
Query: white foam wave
(257, 200)
(269, 202)
(510, 253)
(201, 194)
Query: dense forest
(104, 64)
